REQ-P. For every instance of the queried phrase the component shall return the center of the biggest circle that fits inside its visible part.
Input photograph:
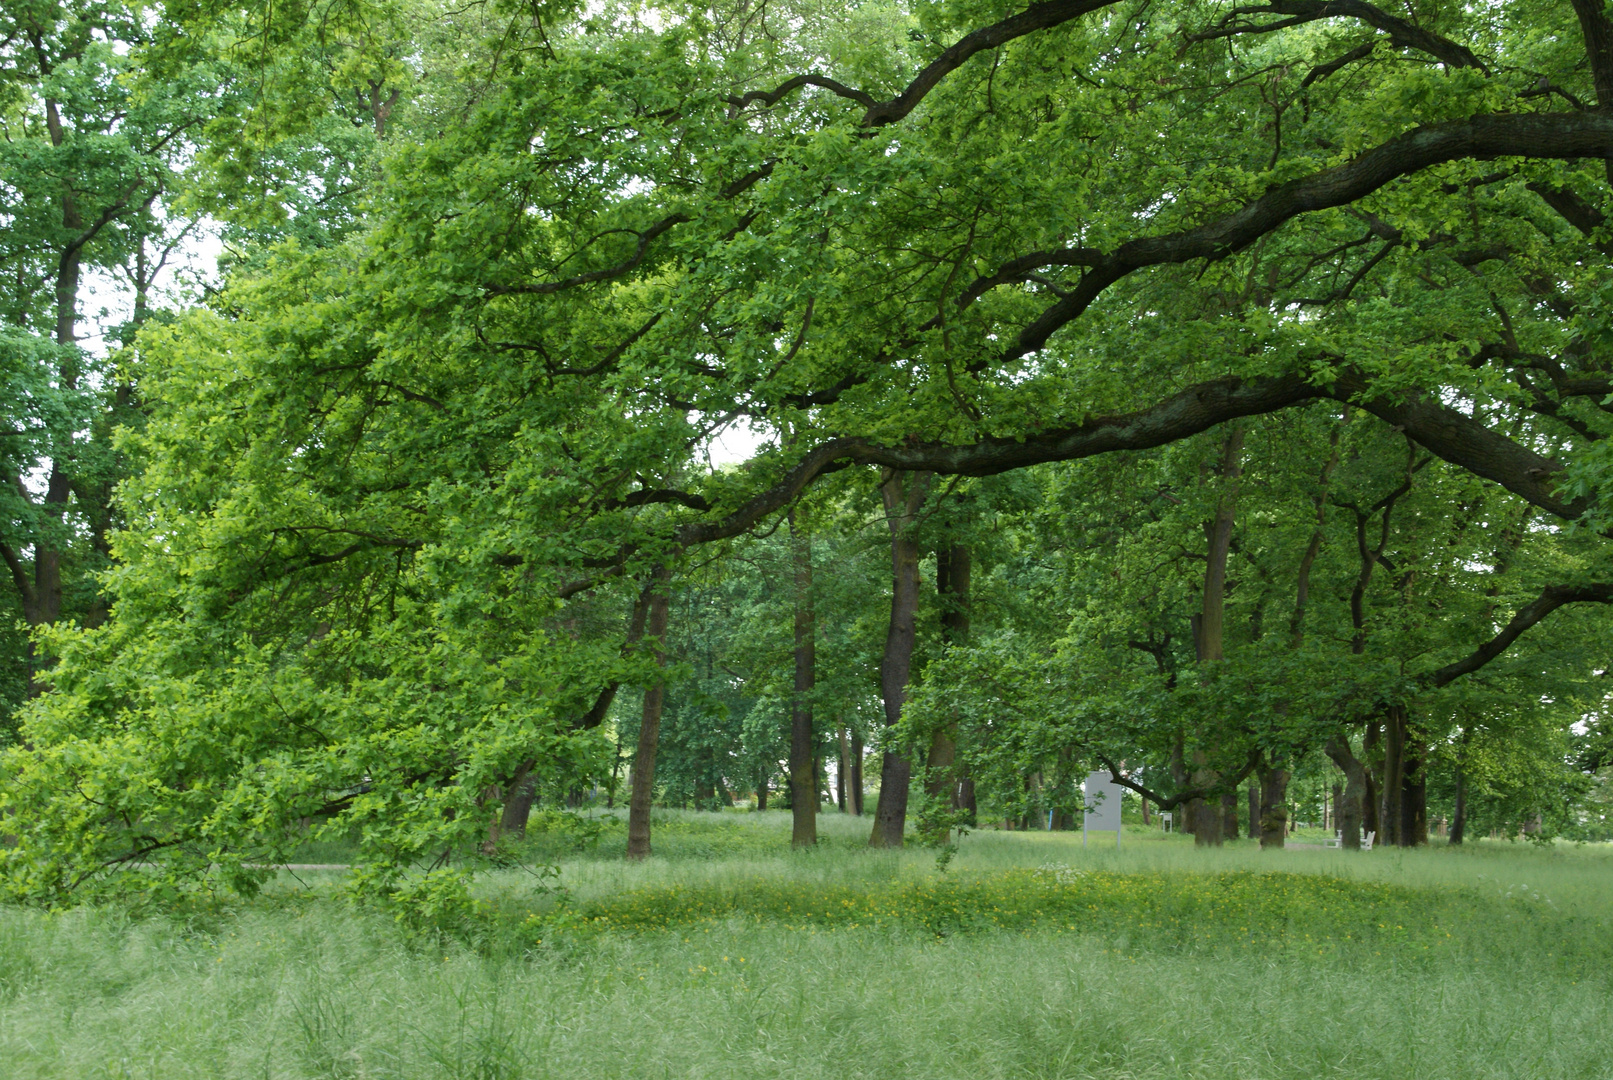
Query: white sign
(1102, 799)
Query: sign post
(1102, 802)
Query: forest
(438, 436)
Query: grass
(728, 955)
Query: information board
(1102, 797)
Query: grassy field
(729, 956)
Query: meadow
(729, 955)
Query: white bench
(1338, 840)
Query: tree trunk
(1205, 813)
(843, 771)
(1372, 763)
(903, 494)
(1459, 816)
(803, 781)
(854, 799)
(521, 793)
(1350, 805)
(1254, 811)
(1229, 815)
(1184, 812)
(939, 769)
(1391, 799)
(649, 733)
(1218, 537)
(1413, 793)
(952, 571)
(1273, 807)
(1207, 819)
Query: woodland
(1209, 393)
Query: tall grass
(299, 985)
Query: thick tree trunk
(521, 793)
(1254, 811)
(803, 779)
(1351, 803)
(1273, 807)
(649, 734)
(1391, 799)
(1205, 813)
(1229, 815)
(903, 494)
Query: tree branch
(879, 113)
(1550, 599)
(1544, 135)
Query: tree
(940, 243)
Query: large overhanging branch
(1550, 599)
(1402, 34)
(1562, 136)
(1452, 435)
(1044, 16)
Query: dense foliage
(1227, 386)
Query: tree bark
(1459, 817)
(903, 494)
(953, 564)
(1254, 811)
(1459, 814)
(803, 779)
(520, 793)
(1391, 798)
(1218, 536)
(1229, 815)
(1273, 807)
(1372, 764)
(854, 800)
(1208, 820)
(1414, 793)
(649, 733)
(843, 772)
(1204, 814)
(1184, 813)
(1349, 807)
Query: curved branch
(1546, 135)
(1402, 34)
(1549, 600)
(544, 288)
(1449, 434)
(769, 98)
(1166, 802)
(879, 113)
